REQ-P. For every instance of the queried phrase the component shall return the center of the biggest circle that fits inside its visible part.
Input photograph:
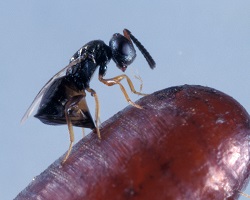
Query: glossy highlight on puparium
(62, 98)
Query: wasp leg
(244, 194)
(97, 110)
(83, 133)
(117, 80)
(70, 127)
(140, 79)
(76, 109)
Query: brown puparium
(188, 142)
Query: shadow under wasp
(62, 98)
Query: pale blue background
(193, 42)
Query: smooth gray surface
(192, 42)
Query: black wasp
(62, 99)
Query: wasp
(62, 98)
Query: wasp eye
(123, 51)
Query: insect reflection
(62, 99)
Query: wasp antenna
(144, 51)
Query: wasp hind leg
(97, 110)
(77, 113)
(71, 131)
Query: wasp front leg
(117, 80)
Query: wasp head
(123, 51)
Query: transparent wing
(40, 94)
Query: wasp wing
(40, 94)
